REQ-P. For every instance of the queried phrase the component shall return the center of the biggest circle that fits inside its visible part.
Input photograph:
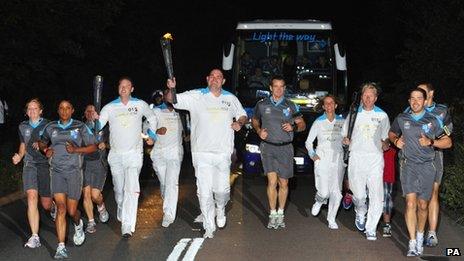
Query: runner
(275, 121)
(328, 159)
(63, 142)
(95, 169)
(212, 111)
(417, 134)
(366, 163)
(36, 173)
(125, 158)
(166, 156)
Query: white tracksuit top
(211, 119)
(328, 134)
(370, 128)
(171, 121)
(126, 123)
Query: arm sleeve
(257, 111)
(345, 126)
(152, 118)
(311, 137)
(147, 126)
(239, 111)
(395, 127)
(447, 121)
(21, 138)
(185, 100)
(45, 135)
(385, 124)
(103, 119)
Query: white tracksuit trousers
(125, 169)
(365, 175)
(167, 163)
(328, 175)
(212, 171)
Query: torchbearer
(212, 112)
(365, 168)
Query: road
(245, 236)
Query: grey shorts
(68, 182)
(37, 176)
(438, 162)
(417, 178)
(277, 159)
(94, 174)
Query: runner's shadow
(251, 202)
(9, 218)
(302, 203)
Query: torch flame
(168, 36)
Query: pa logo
(453, 251)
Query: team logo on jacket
(426, 127)
(74, 134)
(27, 133)
(407, 125)
(226, 103)
(267, 110)
(54, 133)
(287, 112)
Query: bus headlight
(252, 148)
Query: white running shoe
(371, 236)
(221, 218)
(33, 242)
(280, 223)
(209, 233)
(360, 222)
(79, 235)
(61, 252)
(432, 239)
(272, 221)
(199, 219)
(104, 216)
(412, 248)
(333, 225)
(419, 244)
(91, 227)
(316, 208)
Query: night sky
(52, 49)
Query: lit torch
(166, 49)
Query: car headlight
(252, 148)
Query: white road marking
(193, 249)
(178, 249)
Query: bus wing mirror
(340, 57)
(228, 56)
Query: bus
(305, 52)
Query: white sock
(273, 212)
(280, 211)
(35, 235)
(61, 244)
(92, 220)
